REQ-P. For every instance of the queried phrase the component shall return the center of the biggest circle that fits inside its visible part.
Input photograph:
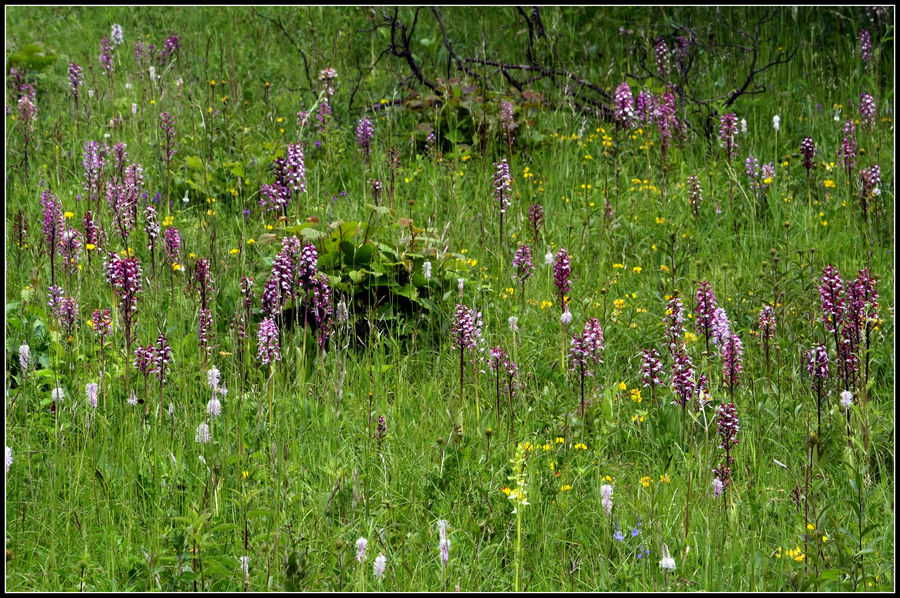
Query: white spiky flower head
(361, 549)
(24, 355)
(214, 408)
(91, 390)
(667, 562)
(846, 399)
(212, 378)
(379, 566)
(202, 435)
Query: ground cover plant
(553, 299)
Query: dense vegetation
(423, 299)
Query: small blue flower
(637, 530)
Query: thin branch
(449, 46)
(293, 43)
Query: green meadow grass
(107, 500)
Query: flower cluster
(562, 269)
(173, 245)
(817, 366)
(865, 45)
(167, 126)
(27, 113)
(606, 491)
(586, 348)
(170, 48)
(705, 309)
(536, 218)
(202, 282)
(871, 180)
(831, 294)
(151, 226)
(204, 335)
(682, 377)
(143, 359)
(522, 263)
(728, 426)
(721, 327)
(651, 366)
(766, 322)
(91, 231)
(867, 110)
(101, 323)
(116, 34)
(124, 274)
(268, 348)
(93, 160)
(65, 309)
(727, 131)
(696, 193)
(106, 59)
(53, 219)
(444, 543)
(760, 177)
(663, 114)
(70, 248)
(162, 357)
(674, 321)
(662, 58)
(732, 361)
(643, 105)
(295, 168)
(808, 151)
(76, 78)
(624, 111)
(322, 306)
(365, 130)
(502, 185)
(847, 152)
(466, 328)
